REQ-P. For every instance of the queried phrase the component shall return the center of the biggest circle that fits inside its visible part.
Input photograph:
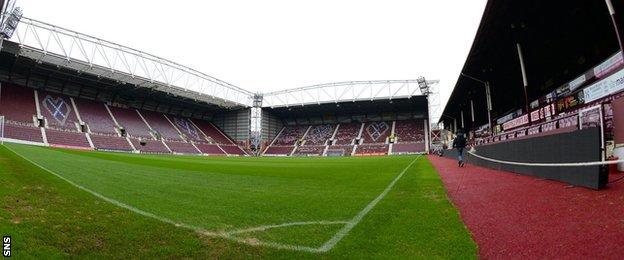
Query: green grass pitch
(65, 203)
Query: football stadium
(109, 151)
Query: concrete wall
(235, 124)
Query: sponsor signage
(608, 65)
(599, 71)
(498, 129)
(570, 102)
(577, 82)
(517, 122)
(543, 113)
(568, 121)
(534, 130)
(535, 104)
(535, 115)
(482, 131)
(591, 117)
(563, 90)
(605, 87)
(551, 97)
(509, 116)
(505, 118)
(571, 86)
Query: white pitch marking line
(267, 244)
(263, 228)
(324, 248)
(177, 224)
(355, 220)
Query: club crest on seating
(187, 127)
(377, 129)
(58, 108)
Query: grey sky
(272, 45)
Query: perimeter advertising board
(605, 87)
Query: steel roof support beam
(54, 44)
(344, 91)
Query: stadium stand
(371, 149)
(67, 139)
(130, 120)
(376, 133)
(182, 147)
(232, 149)
(210, 149)
(290, 135)
(110, 143)
(58, 111)
(409, 137)
(105, 110)
(63, 126)
(151, 146)
(409, 131)
(408, 148)
(339, 150)
(188, 129)
(347, 133)
(212, 132)
(315, 140)
(285, 141)
(17, 104)
(22, 131)
(374, 139)
(279, 150)
(306, 150)
(159, 123)
(319, 134)
(95, 115)
(62, 121)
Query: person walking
(460, 143)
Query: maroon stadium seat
(310, 150)
(24, 132)
(151, 146)
(68, 139)
(211, 149)
(130, 120)
(95, 115)
(347, 133)
(279, 150)
(182, 147)
(110, 142)
(372, 149)
(212, 132)
(160, 124)
(17, 103)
